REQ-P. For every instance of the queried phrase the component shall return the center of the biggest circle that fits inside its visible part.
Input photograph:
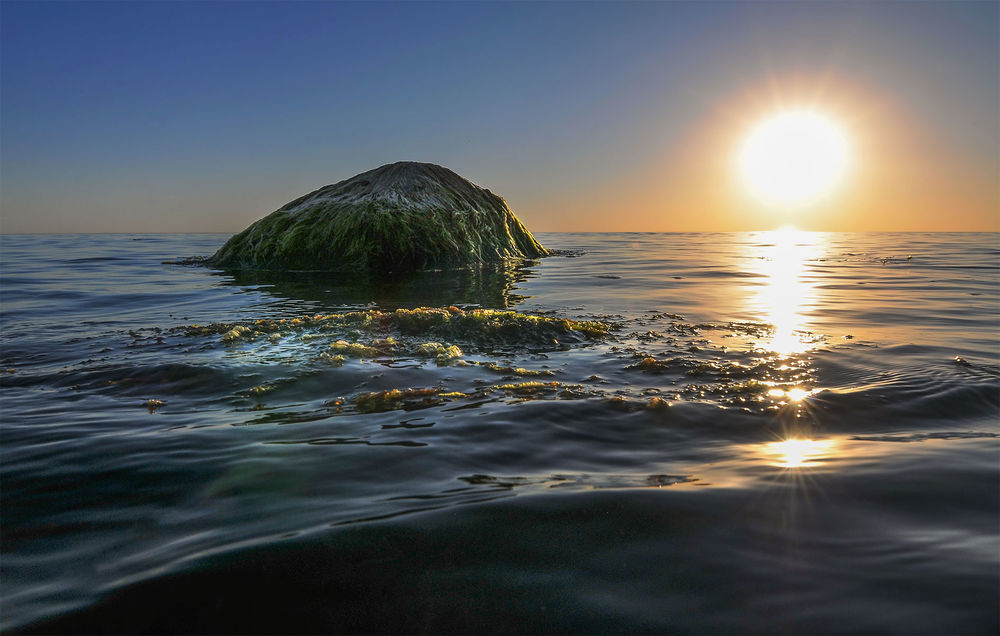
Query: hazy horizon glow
(190, 116)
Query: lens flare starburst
(797, 453)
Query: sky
(584, 116)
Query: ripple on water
(599, 453)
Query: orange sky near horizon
(903, 175)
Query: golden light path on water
(796, 461)
(797, 453)
(787, 293)
(784, 300)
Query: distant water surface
(781, 432)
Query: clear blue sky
(204, 116)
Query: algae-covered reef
(400, 217)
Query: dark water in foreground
(775, 436)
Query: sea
(765, 432)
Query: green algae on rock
(400, 217)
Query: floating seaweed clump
(750, 387)
(353, 349)
(491, 325)
(153, 404)
(652, 365)
(333, 359)
(236, 333)
(393, 399)
(508, 370)
(406, 399)
(451, 324)
(529, 389)
(444, 354)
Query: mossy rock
(401, 217)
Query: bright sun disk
(793, 158)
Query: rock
(400, 217)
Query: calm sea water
(783, 432)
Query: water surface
(780, 432)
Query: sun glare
(787, 295)
(797, 453)
(793, 158)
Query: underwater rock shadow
(490, 286)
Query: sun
(793, 158)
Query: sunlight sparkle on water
(797, 453)
(787, 293)
(795, 395)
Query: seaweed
(393, 399)
(490, 327)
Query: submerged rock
(400, 217)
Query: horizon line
(776, 229)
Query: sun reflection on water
(798, 453)
(787, 293)
(795, 395)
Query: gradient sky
(185, 117)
